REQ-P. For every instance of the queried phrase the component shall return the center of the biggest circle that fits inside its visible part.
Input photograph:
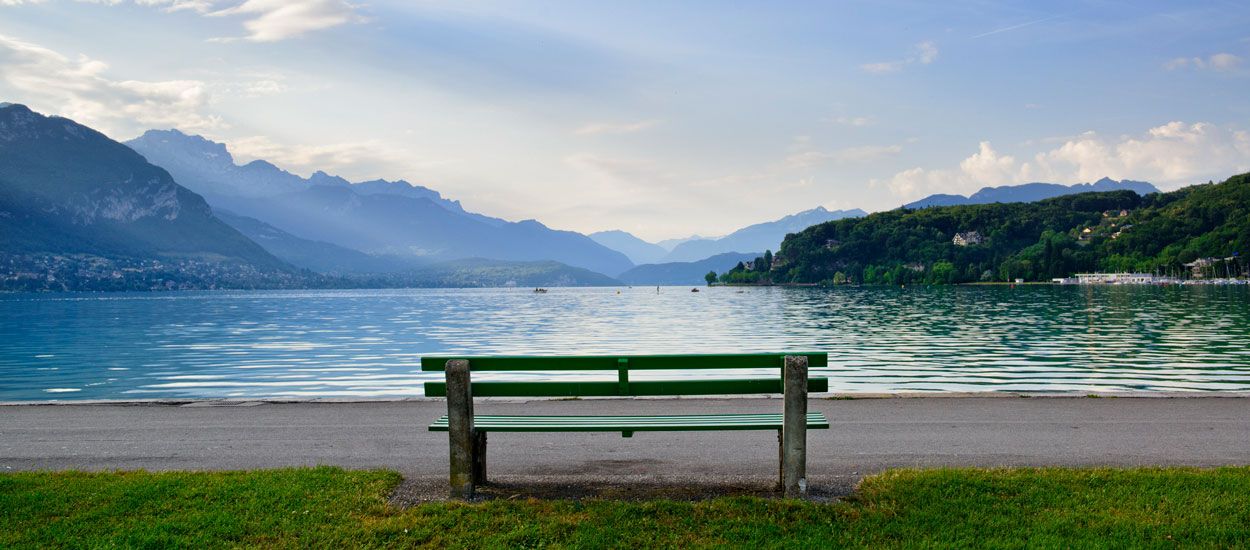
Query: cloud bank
(1170, 155)
(78, 88)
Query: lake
(368, 343)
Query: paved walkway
(867, 435)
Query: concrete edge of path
(246, 402)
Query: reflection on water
(369, 342)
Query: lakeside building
(967, 238)
(1116, 279)
(1198, 268)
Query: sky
(663, 118)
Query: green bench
(467, 432)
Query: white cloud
(263, 87)
(78, 88)
(1169, 155)
(866, 153)
(265, 20)
(273, 20)
(883, 67)
(349, 158)
(199, 6)
(927, 52)
(1221, 62)
(923, 53)
(1172, 154)
(599, 128)
(856, 121)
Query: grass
(329, 508)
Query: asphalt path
(866, 436)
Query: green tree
(942, 273)
(710, 278)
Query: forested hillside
(1115, 231)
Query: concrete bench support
(460, 430)
(794, 428)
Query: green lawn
(327, 507)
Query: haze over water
(368, 343)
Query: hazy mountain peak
(174, 140)
(321, 178)
(262, 165)
(18, 122)
(637, 250)
(1031, 192)
(613, 233)
(760, 236)
(15, 107)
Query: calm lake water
(368, 343)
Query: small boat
(540, 290)
(694, 290)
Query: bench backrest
(622, 365)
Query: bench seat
(688, 422)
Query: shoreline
(193, 402)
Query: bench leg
(479, 458)
(460, 432)
(794, 428)
(781, 462)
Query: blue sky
(660, 118)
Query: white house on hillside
(967, 237)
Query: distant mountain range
(81, 211)
(75, 204)
(355, 268)
(639, 251)
(319, 256)
(480, 272)
(378, 218)
(670, 244)
(1031, 192)
(683, 273)
(761, 236)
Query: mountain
(761, 236)
(208, 168)
(638, 250)
(683, 273)
(478, 272)
(1031, 192)
(670, 244)
(74, 202)
(378, 217)
(318, 256)
(1119, 231)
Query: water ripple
(368, 343)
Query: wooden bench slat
(531, 423)
(718, 386)
(636, 362)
